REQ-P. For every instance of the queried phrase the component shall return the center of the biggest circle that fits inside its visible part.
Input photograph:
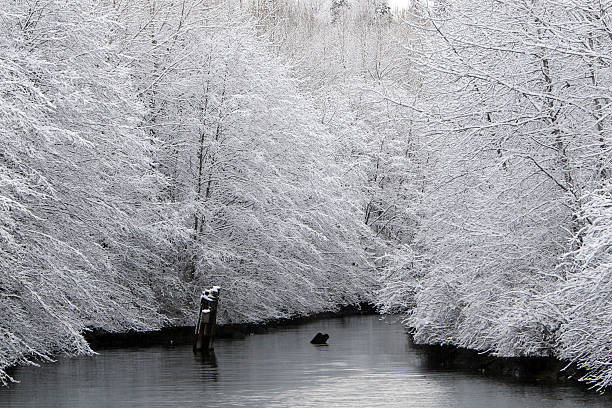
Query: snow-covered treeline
(347, 56)
(150, 148)
(512, 251)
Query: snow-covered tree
(513, 114)
(585, 299)
(79, 223)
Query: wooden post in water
(207, 320)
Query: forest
(450, 161)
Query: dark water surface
(368, 363)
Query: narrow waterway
(368, 363)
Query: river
(368, 363)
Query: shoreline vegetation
(525, 369)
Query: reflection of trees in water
(209, 371)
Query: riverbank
(99, 339)
(524, 369)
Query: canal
(368, 363)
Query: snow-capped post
(207, 319)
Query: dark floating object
(320, 338)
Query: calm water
(368, 363)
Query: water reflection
(366, 363)
(207, 358)
(209, 368)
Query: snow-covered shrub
(585, 337)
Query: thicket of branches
(149, 149)
(514, 242)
